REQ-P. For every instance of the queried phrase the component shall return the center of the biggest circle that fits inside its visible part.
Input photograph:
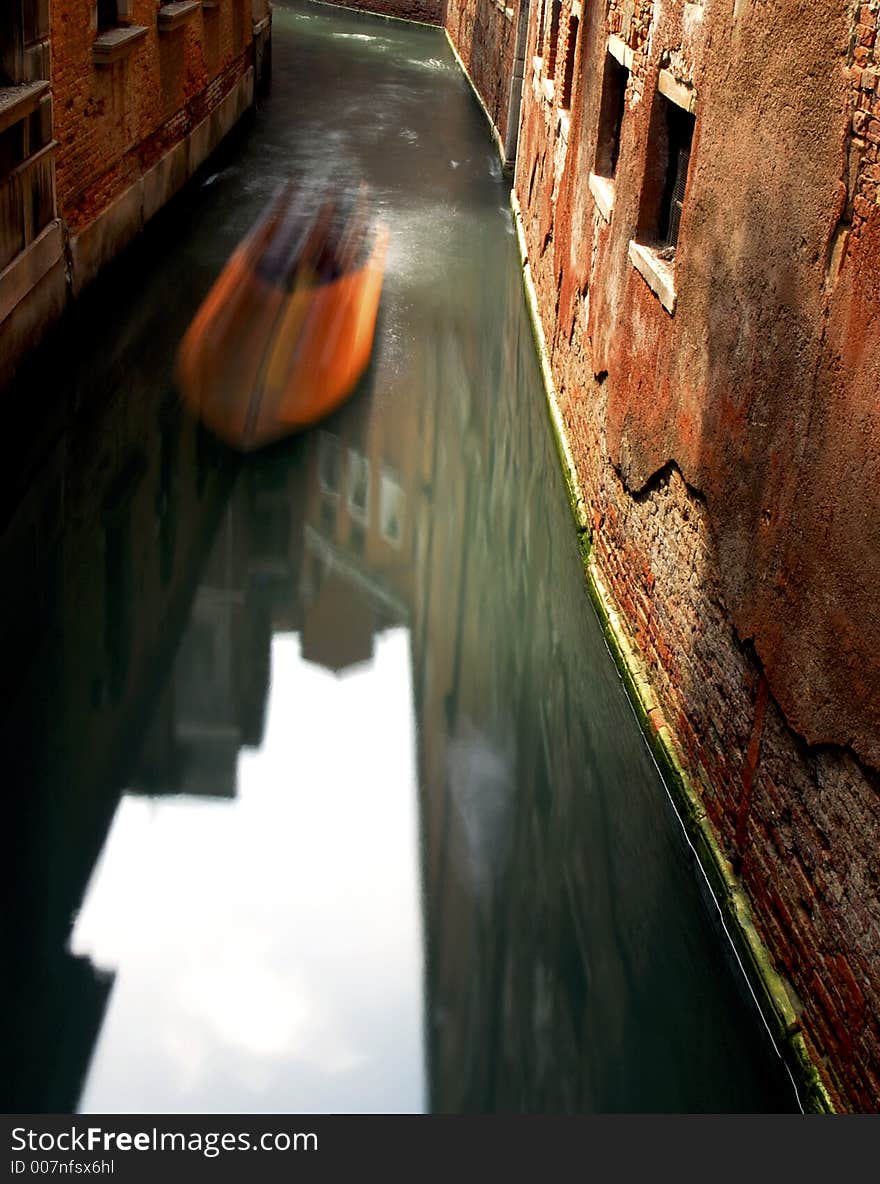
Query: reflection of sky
(269, 950)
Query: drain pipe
(516, 84)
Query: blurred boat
(287, 330)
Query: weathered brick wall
(112, 122)
(484, 33)
(631, 20)
(429, 12)
(865, 139)
(800, 824)
(729, 453)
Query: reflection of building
(544, 902)
(105, 546)
(47, 1060)
(213, 701)
(356, 569)
(358, 530)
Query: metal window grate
(676, 203)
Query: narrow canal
(322, 791)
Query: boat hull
(261, 361)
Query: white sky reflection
(268, 950)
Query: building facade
(701, 222)
(106, 108)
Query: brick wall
(113, 121)
(864, 145)
(429, 12)
(728, 453)
(484, 33)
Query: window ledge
(657, 273)
(680, 93)
(114, 44)
(172, 16)
(619, 49)
(602, 189)
(30, 161)
(17, 102)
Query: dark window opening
(328, 516)
(108, 15)
(271, 532)
(39, 128)
(681, 134)
(542, 23)
(669, 153)
(11, 42)
(611, 112)
(23, 23)
(553, 36)
(570, 48)
(35, 15)
(12, 151)
(358, 538)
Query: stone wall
(720, 400)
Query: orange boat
(287, 329)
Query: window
(570, 48)
(116, 35)
(358, 485)
(670, 137)
(329, 463)
(542, 22)
(27, 184)
(108, 15)
(12, 150)
(391, 502)
(669, 153)
(614, 85)
(553, 36)
(328, 515)
(11, 43)
(24, 25)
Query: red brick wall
(865, 139)
(484, 33)
(112, 122)
(729, 453)
(429, 12)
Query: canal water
(322, 792)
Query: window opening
(611, 116)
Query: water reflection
(326, 793)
